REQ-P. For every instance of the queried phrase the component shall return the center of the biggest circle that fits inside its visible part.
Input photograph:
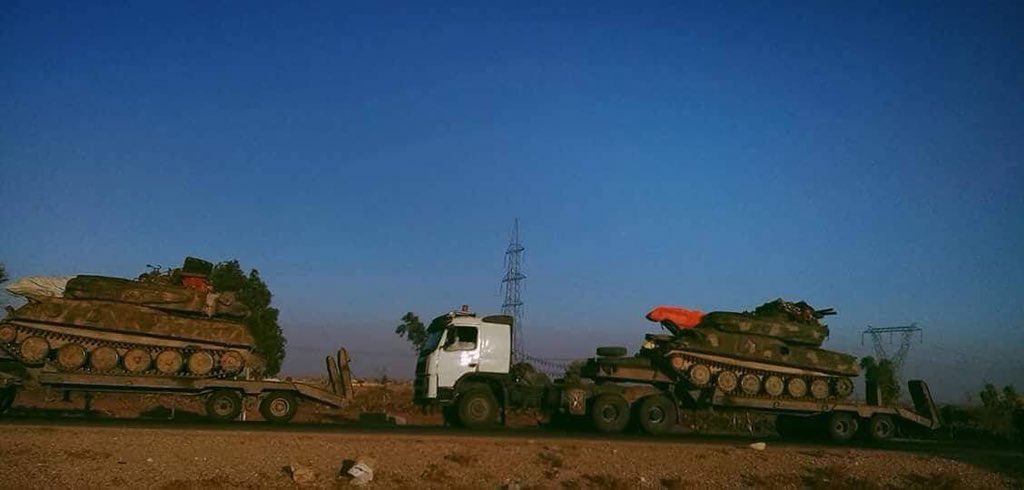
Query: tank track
(56, 340)
(839, 387)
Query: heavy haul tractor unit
(97, 333)
(466, 368)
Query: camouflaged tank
(773, 351)
(108, 325)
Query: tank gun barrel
(824, 312)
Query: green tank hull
(768, 350)
(120, 338)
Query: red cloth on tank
(680, 317)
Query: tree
(3, 272)
(882, 374)
(412, 329)
(263, 318)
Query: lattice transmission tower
(880, 336)
(512, 289)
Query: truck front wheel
(657, 414)
(609, 413)
(478, 408)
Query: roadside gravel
(92, 457)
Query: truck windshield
(433, 340)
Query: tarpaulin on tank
(678, 317)
(36, 287)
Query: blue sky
(369, 158)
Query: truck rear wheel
(224, 405)
(657, 414)
(478, 408)
(609, 413)
(278, 407)
(842, 426)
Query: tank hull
(754, 365)
(122, 338)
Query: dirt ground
(45, 456)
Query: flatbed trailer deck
(278, 399)
(841, 418)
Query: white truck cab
(461, 347)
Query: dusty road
(39, 454)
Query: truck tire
(842, 426)
(224, 405)
(611, 351)
(609, 413)
(278, 407)
(657, 414)
(882, 427)
(477, 408)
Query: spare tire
(611, 351)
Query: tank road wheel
(224, 405)
(774, 386)
(609, 413)
(478, 408)
(137, 361)
(200, 363)
(168, 362)
(103, 358)
(35, 350)
(750, 384)
(842, 426)
(727, 381)
(8, 333)
(231, 362)
(657, 414)
(677, 362)
(844, 387)
(796, 387)
(819, 389)
(71, 356)
(700, 375)
(882, 427)
(278, 407)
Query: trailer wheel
(278, 407)
(657, 414)
(224, 405)
(882, 427)
(842, 426)
(609, 413)
(478, 408)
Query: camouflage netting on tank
(166, 297)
